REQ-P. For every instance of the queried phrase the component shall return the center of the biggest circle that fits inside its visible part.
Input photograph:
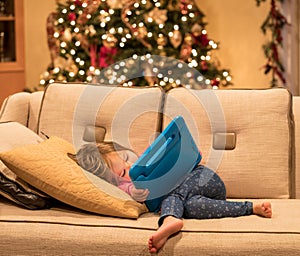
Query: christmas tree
(90, 40)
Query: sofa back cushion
(124, 115)
(244, 135)
(296, 111)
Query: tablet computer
(165, 163)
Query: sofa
(251, 138)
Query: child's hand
(139, 195)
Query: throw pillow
(47, 167)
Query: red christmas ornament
(106, 55)
(215, 82)
(72, 16)
(78, 3)
(201, 40)
(204, 66)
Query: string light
(56, 70)
(63, 44)
(117, 36)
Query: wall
(37, 55)
(236, 25)
(233, 23)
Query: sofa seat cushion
(279, 235)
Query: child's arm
(139, 195)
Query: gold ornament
(158, 15)
(110, 41)
(162, 41)
(196, 29)
(176, 39)
(188, 39)
(91, 31)
(115, 4)
(61, 77)
(103, 16)
(67, 36)
(142, 31)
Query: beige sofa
(249, 137)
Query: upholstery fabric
(252, 117)
(122, 112)
(249, 235)
(15, 108)
(35, 101)
(260, 164)
(14, 135)
(47, 167)
(296, 110)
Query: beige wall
(37, 56)
(233, 23)
(236, 25)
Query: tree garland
(274, 24)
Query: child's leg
(203, 181)
(200, 207)
(170, 226)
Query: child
(202, 194)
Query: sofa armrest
(15, 108)
(296, 111)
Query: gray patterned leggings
(202, 195)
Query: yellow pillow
(47, 167)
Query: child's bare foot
(170, 226)
(264, 209)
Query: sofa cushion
(243, 236)
(296, 110)
(258, 123)
(47, 167)
(122, 112)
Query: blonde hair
(90, 158)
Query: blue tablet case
(165, 162)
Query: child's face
(118, 164)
